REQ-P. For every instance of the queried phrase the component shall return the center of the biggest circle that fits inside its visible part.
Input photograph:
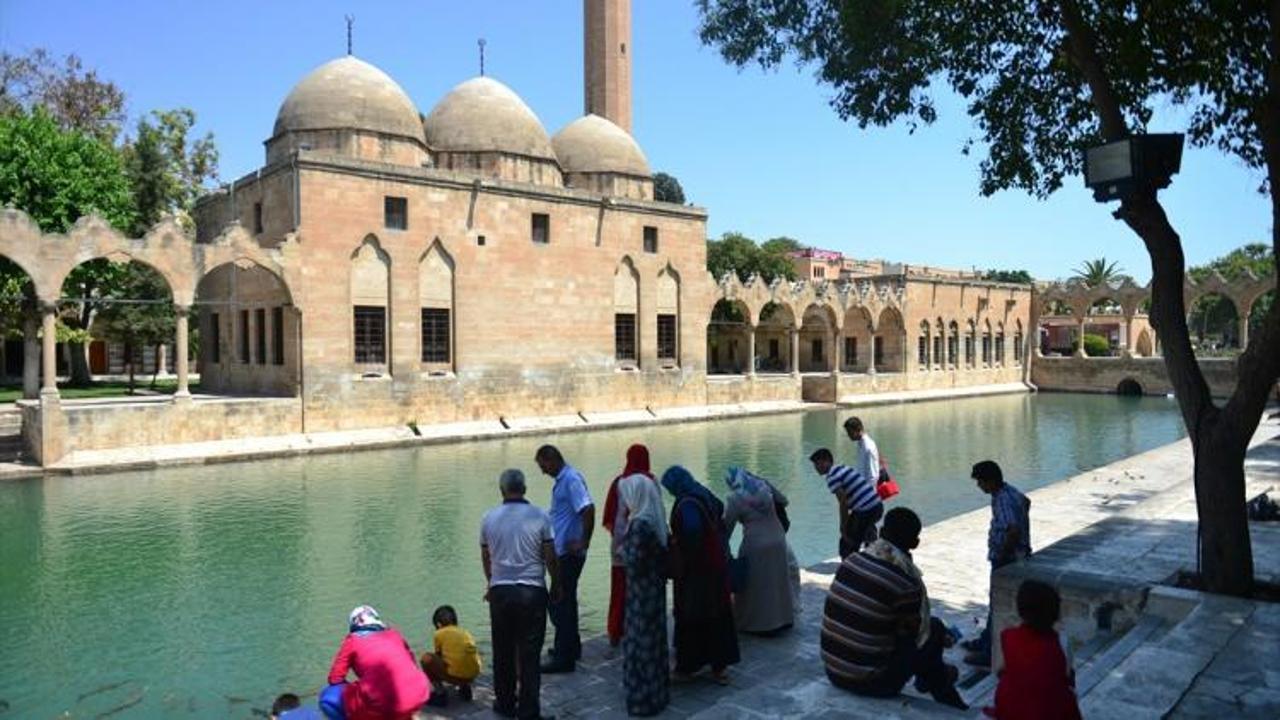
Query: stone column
(1127, 347)
(49, 349)
(871, 355)
(30, 355)
(795, 351)
(1080, 345)
(1244, 331)
(180, 349)
(751, 351)
(835, 352)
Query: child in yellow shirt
(455, 660)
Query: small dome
(592, 144)
(483, 115)
(349, 93)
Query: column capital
(48, 307)
(181, 310)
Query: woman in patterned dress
(644, 637)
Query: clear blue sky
(762, 152)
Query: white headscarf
(643, 500)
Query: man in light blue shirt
(573, 517)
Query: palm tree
(1098, 272)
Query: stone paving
(1221, 660)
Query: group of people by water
(877, 634)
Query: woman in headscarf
(614, 520)
(644, 638)
(704, 630)
(389, 685)
(765, 604)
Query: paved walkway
(1145, 498)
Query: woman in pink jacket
(389, 685)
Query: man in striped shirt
(860, 506)
(872, 639)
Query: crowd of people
(878, 631)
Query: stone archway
(856, 338)
(817, 339)
(890, 341)
(776, 337)
(730, 339)
(247, 331)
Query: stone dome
(483, 115)
(349, 93)
(592, 144)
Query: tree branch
(1082, 48)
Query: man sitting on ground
(877, 631)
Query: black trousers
(909, 661)
(564, 613)
(518, 617)
(859, 530)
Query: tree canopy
(74, 97)
(1099, 272)
(167, 172)
(58, 175)
(666, 188)
(1009, 276)
(739, 254)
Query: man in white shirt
(516, 547)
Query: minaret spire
(607, 60)
(351, 20)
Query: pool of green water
(206, 591)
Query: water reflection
(205, 591)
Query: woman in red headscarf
(614, 520)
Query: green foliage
(1099, 272)
(1094, 346)
(666, 188)
(739, 254)
(74, 97)
(1015, 68)
(57, 175)
(1021, 277)
(167, 171)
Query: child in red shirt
(1037, 681)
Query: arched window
(986, 343)
(938, 338)
(668, 307)
(435, 292)
(1017, 342)
(922, 346)
(1000, 344)
(370, 293)
(626, 308)
(953, 344)
(969, 358)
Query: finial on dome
(480, 42)
(351, 20)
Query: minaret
(607, 60)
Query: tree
(666, 188)
(1043, 81)
(739, 254)
(145, 318)
(73, 96)
(167, 175)
(1098, 272)
(1021, 277)
(56, 176)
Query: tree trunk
(1226, 553)
(80, 373)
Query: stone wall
(1104, 375)
(737, 389)
(110, 425)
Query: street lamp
(1116, 169)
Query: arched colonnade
(168, 249)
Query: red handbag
(886, 486)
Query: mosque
(390, 268)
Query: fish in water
(102, 689)
(4, 706)
(137, 698)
